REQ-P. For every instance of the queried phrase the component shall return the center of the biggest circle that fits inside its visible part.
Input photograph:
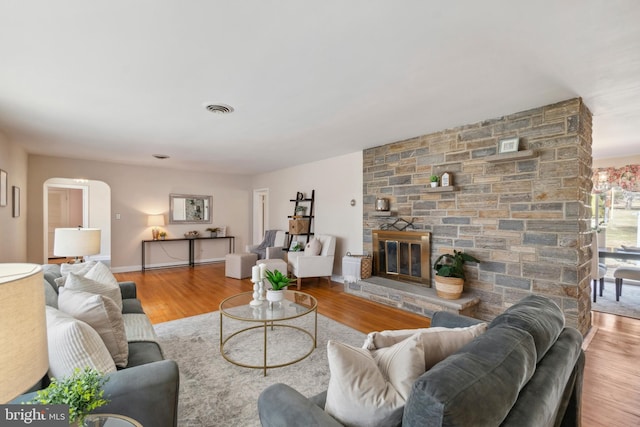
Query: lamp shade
(76, 242)
(23, 329)
(155, 220)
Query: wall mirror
(189, 209)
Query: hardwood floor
(611, 387)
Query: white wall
(616, 162)
(13, 231)
(137, 192)
(336, 182)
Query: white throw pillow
(74, 344)
(368, 390)
(313, 248)
(80, 268)
(438, 342)
(98, 280)
(103, 315)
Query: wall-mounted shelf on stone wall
(509, 157)
(382, 214)
(447, 189)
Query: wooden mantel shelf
(509, 157)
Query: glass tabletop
(294, 304)
(110, 420)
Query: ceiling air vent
(219, 108)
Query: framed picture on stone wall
(508, 145)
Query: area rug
(628, 306)
(214, 392)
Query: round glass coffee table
(262, 322)
(110, 420)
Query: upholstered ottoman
(274, 264)
(239, 265)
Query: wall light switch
(117, 216)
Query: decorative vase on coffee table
(275, 296)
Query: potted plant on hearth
(434, 180)
(450, 274)
(279, 283)
(82, 391)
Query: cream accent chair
(302, 266)
(598, 269)
(270, 252)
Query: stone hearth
(410, 297)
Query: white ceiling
(122, 80)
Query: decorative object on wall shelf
(295, 246)
(16, 201)
(222, 231)
(162, 235)
(382, 204)
(508, 145)
(191, 234)
(3, 188)
(434, 180)
(446, 179)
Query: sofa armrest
(147, 393)
(280, 405)
(250, 248)
(128, 289)
(451, 320)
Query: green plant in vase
(213, 231)
(277, 280)
(82, 391)
(278, 283)
(450, 273)
(434, 180)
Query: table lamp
(155, 221)
(76, 242)
(24, 357)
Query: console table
(191, 245)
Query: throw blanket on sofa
(138, 328)
(269, 239)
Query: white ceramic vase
(275, 296)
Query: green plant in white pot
(450, 274)
(279, 283)
(434, 180)
(82, 391)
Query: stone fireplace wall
(527, 220)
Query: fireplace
(402, 255)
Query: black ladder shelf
(301, 201)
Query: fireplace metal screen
(402, 255)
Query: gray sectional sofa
(147, 388)
(525, 370)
